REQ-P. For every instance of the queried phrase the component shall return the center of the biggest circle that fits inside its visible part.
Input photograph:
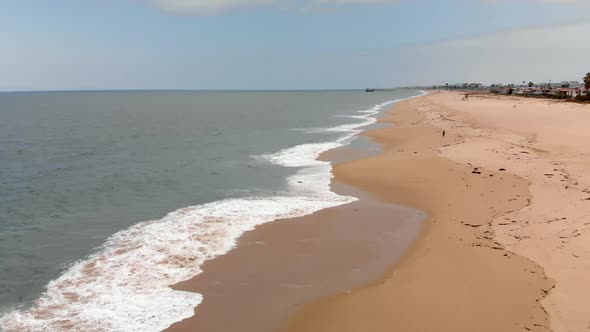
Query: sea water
(108, 198)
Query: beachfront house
(563, 90)
(541, 91)
(575, 92)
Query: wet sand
(457, 276)
(284, 264)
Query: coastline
(229, 279)
(284, 264)
(165, 251)
(281, 265)
(484, 228)
(457, 276)
(498, 250)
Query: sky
(288, 44)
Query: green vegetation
(560, 95)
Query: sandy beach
(544, 142)
(505, 246)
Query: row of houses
(544, 90)
(563, 90)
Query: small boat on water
(369, 90)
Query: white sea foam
(125, 286)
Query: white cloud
(554, 52)
(353, 2)
(208, 6)
(204, 7)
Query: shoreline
(369, 256)
(435, 287)
(164, 252)
(484, 228)
(498, 250)
(284, 264)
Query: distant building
(575, 92)
(563, 90)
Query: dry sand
(548, 144)
(462, 274)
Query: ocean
(108, 198)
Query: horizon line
(201, 90)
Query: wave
(125, 285)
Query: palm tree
(587, 81)
(531, 84)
